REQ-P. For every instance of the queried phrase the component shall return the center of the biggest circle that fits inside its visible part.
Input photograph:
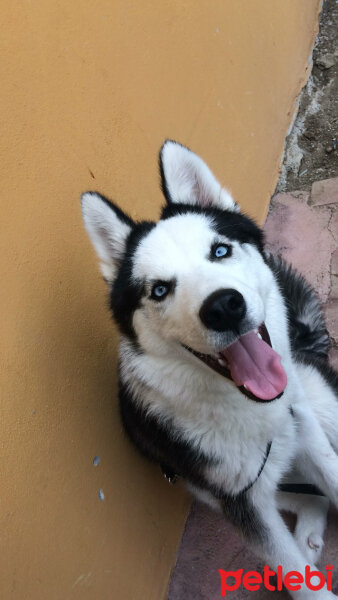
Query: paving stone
(331, 317)
(334, 287)
(300, 234)
(334, 263)
(333, 226)
(210, 543)
(334, 358)
(324, 192)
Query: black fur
(126, 294)
(300, 488)
(242, 513)
(117, 210)
(233, 225)
(162, 442)
(164, 186)
(308, 333)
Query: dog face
(196, 279)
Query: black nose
(223, 310)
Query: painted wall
(89, 90)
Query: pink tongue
(256, 365)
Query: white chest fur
(213, 416)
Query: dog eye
(160, 290)
(220, 250)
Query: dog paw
(311, 546)
(310, 528)
(315, 542)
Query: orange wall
(89, 90)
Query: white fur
(189, 179)
(107, 232)
(179, 248)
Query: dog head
(197, 278)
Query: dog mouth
(251, 363)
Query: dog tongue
(256, 365)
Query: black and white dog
(224, 376)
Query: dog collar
(300, 488)
(267, 452)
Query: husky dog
(224, 375)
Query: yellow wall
(89, 90)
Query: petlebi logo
(292, 580)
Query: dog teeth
(259, 336)
(246, 387)
(221, 362)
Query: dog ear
(108, 228)
(187, 179)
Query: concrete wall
(89, 90)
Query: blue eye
(159, 290)
(220, 250)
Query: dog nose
(223, 310)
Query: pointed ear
(108, 228)
(187, 179)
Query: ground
(311, 151)
(303, 227)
